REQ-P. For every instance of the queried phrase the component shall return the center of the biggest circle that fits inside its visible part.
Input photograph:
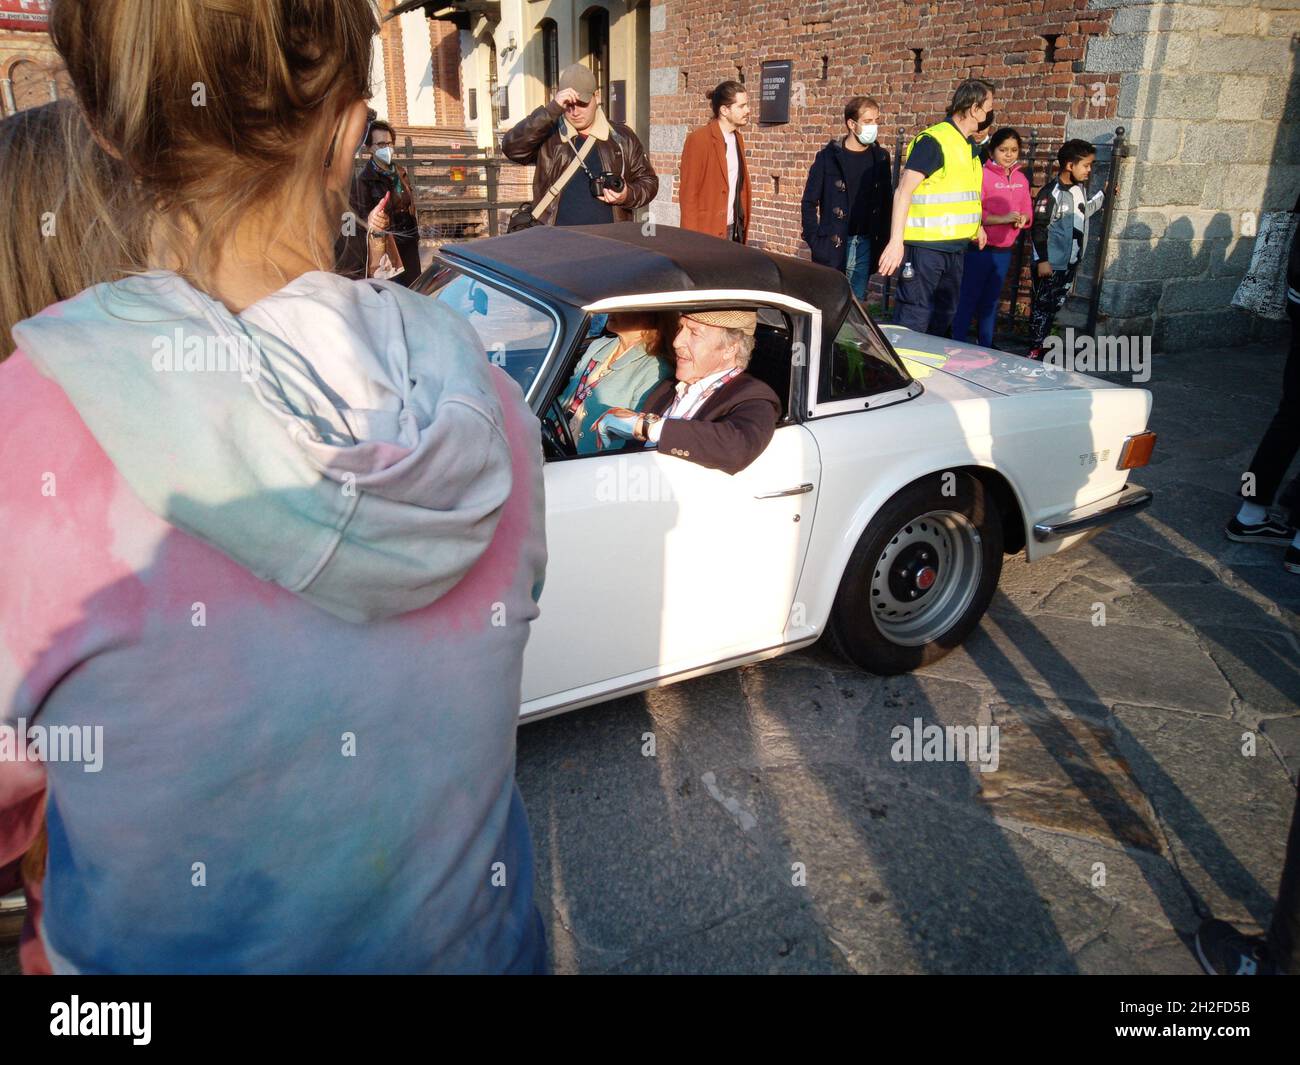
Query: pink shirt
(1003, 194)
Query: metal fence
(461, 193)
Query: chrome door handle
(786, 492)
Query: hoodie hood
(354, 422)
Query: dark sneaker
(1291, 560)
(1268, 531)
(1223, 951)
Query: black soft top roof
(583, 264)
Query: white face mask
(384, 154)
(867, 134)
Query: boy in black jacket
(1060, 233)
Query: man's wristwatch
(642, 428)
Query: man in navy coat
(849, 197)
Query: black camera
(604, 181)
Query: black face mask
(988, 121)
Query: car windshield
(859, 363)
(516, 334)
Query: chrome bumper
(1128, 500)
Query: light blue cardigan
(633, 376)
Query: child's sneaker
(1268, 531)
(1223, 951)
(1291, 560)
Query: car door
(658, 566)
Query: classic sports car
(903, 469)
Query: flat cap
(732, 318)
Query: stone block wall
(1208, 95)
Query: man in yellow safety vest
(937, 212)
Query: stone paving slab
(905, 882)
(1225, 814)
(779, 937)
(1284, 734)
(1074, 659)
(1263, 668)
(1060, 768)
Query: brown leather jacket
(535, 139)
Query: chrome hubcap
(926, 577)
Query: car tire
(890, 616)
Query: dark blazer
(825, 208)
(728, 433)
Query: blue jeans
(858, 267)
(981, 285)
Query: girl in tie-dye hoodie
(272, 542)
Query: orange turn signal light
(1136, 450)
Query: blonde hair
(223, 110)
(74, 217)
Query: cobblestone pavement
(1123, 805)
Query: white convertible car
(904, 468)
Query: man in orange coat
(714, 187)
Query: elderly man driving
(714, 413)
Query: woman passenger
(618, 371)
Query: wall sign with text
(31, 15)
(774, 91)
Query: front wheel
(921, 576)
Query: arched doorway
(595, 48)
(550, 37)
(31, 84)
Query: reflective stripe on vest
(946, 205)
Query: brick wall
(390, 36)
(444, 43)
(840, 49)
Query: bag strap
(579, 157)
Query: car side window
(858, 364)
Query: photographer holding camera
(588, 170)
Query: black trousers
(927, 300)
(1277, 450)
